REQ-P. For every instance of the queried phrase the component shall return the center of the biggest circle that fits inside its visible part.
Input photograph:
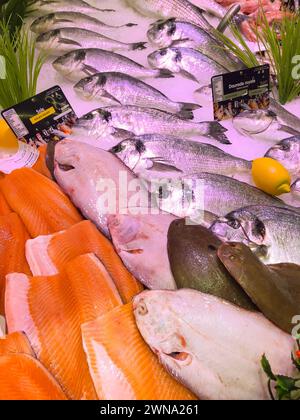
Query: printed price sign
(244, 89)
(37, 119)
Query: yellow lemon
(271, 176)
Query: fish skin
(119, 88)
(61, 41)
(68, 19)
(262, 123)
(50, 6)
(4, 207)
(13, 236)
(268, 288)
(283, 116)
(140, 121)
(27, 379)
(287, 152)
(181, 9)
(164, 34)
(195, 265)
(196, 325)
(150, 154)
(187, 61)
(217, 194)
(83, 184)
(81, 63)
(48, 255)
(51, 310)
(271, 232)
(141, 242)
(39, 202)
(111, 362)
(16, 343)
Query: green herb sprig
(22, 66)
(286, 388)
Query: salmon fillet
(122, 365)
(13, 236)
(39, 202)
(47, 255)
(50, 310)
(24, 378)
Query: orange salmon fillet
(122, 365)
(24, 378)
(13, 236)
(16, 342)
(50, 310)
(48, 255)
(40, 203)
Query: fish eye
(235, 224)
(163, 52)
(285, 147)
(87, 117)
(118, 149)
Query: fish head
(166, 58)
(162, 33)
(49, 41)
(160, 317)
(296, 187)
(233, 256)
(43, 23)
(91, 86)
(96, 123)
(130, 152)
(253, 122)
(71, 65)
(287, 152)
(245, 227)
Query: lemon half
(271, 176)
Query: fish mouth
(53, 163)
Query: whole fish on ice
(273, 233)
(187, 61)
(211, 346)
(78, 64)
(61, 41)
(139, 121)
(155, 155)
(58, 20)
(122, 89)
(48, 6)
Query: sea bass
(187, 61)
(122, 89)
(211, 346)
(85, 62)
(270, 288)
(156, 154)
(272, 233)
(140, 121)
(141, 242)
(183, 34)
(217, 194)
(70, 19)
(91, 177)
(181, 9)
(287, 152)
(194, 263)
(48, 6)
(61, 41)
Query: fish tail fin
(185, 114)
(139, 46)
(164, 74)
(186, 106)
(129, 25)
(217, 132)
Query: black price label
(38, 119)
(244, 89)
